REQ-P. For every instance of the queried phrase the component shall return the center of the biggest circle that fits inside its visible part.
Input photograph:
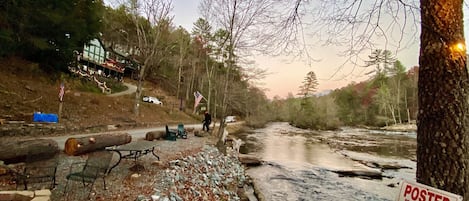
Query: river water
(300, 164)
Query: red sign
(411, 191)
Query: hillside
(25, 89)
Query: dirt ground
(25, 89)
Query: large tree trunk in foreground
(442, 140)
(14, 151)
(77, 146)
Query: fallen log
(200, 133)
(77, 146)
(15, 151)
(155, 135)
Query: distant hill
(323, 93)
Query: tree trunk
(138, 93)
(14, 151)
(77, 146)
(209, 80)
(442, 140)
(392, 109)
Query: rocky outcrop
(38, 195)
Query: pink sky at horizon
(285, 76)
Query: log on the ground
(249, 160)
(200, 133)
(366, 174)
(77, 146)
(155, 135)
(190, 130)
(15, 151)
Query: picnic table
(133, 150)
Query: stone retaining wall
(38, 195)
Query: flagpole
(61, 100)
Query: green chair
(182, 133)
(170, 134)
(38, 169)
(97, 165)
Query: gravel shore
(188, 169)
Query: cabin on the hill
(96, 59)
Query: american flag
(198, 97)
(61, 92)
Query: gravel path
(130, 89)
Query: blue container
(48, 118)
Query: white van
(229, 119)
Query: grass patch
(115, 85)
(87, 86)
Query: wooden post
(60, 110)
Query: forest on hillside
(203, 59)
(388, 97)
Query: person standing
(207, 121)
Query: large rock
(249, 159)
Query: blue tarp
(41, 117)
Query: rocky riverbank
(207, 175)
(401, 127)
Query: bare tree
(148, 17)
(241, 19)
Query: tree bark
(442, 140)
(14, 151)
(77, 146)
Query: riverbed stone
(208, 170)
(249, 160)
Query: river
(300, 164)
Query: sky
(285, 75)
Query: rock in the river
(366, 174)
(249, 160)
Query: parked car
(229, 119)
(151, 99)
